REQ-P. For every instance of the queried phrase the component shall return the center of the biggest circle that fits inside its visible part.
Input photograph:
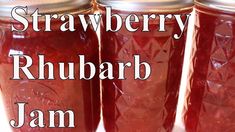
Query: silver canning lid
(147, 5)
(226, 5)
(44, 6)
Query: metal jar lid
(44, 6)
(147, 5)
(226, 5)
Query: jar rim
(45, 6)
(224, 5)
(148, 5)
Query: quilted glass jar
(148, 105)
(210, 93)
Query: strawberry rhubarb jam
(143, 105)
(211, 89)
(79, 96)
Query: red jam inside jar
(80, 96)
(136, 105)
(211, 89)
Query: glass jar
(149, 105)
(210, 93)
(80, 96)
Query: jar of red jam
(143, 105)
(210, 97)
(79, 96)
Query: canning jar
(143, 105)
(210, 93)
(79, 96)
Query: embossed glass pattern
(149, 105)
(211, 84)
(80, 96)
